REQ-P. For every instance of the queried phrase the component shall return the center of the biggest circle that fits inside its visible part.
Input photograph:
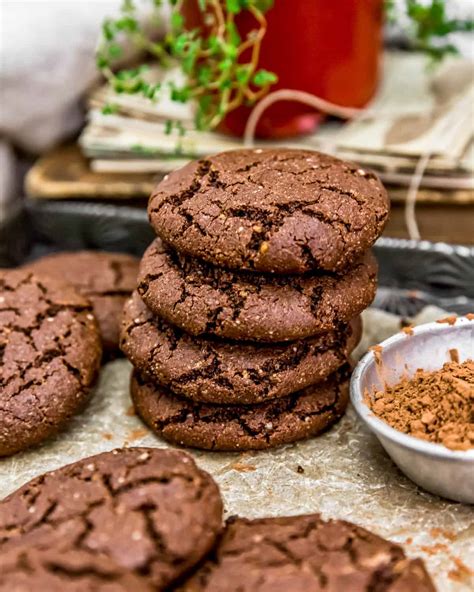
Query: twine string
(346, 113)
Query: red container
(329, 48)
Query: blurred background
(99, 99)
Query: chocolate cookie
(274, 210)
(50, 354)
(106, 279)
(32, 570)
(202, 299)
(306, 553)
(152, 512)
(209, 370)
(237, 427)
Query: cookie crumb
(448, 320)
(432, 550)
(264, 247)
(243, 467)
(107, 436)
(377, 350)
(454, 355)
(300, 470)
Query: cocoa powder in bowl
(436, 406)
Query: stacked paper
(419, 111)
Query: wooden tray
(64, 174)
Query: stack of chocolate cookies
(248, 302)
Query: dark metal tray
(412, 273)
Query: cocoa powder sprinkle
(435, 406)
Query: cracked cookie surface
(271, 210)
(106, 279)
(153, 512)
(50, 354)
(306, 554)
(237, 427)
(203, 299)
(27, 569)
(215, 371)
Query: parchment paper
(343, 474)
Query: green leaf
(214, 44)
(168, 127)
(264, 77)
(226, 83)
(101, 61)
(144, 150)
(129, 85)
(204, 75)
(230, 51)
(126, 23)
(152, 90)
(127, 74)
(128, 6)
(205, 102)
(177, 20)
(243, 73)
(109, 109)
(179, 44)
(108, 30)
(225, 64)
(115, 51)
(234, 37)
(233, 6)
(202, 5)
(180, 95)
(264, 5)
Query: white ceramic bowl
(439, 470)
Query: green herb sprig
(211, 57)
(430, 25)
(216, 76)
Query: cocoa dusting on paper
(137, 434)
(243, 468)
(434, 549)
(440, 532)
(434, 406)
(461, 573)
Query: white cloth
(47, 63)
